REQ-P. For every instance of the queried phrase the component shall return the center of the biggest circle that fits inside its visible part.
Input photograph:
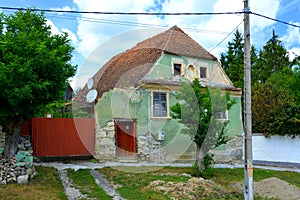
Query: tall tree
(199, 109)
(273, 57)
(233, 60)
(34, 68)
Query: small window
(203, 71)
(191, 72)
(223, 115)
(177, 69)
(160, 108)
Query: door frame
(134, 134)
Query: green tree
(272, 58)
(233, 60)
(199, 109)
(34, 68)
(274, 111)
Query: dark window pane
(160, 104)
(203, 71)
(177, 69)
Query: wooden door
(125, 130)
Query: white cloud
(211, 29)
(64, 8)
(292, 36)
(268, 8)
(54, 29)
(294, 52)
(93, 34)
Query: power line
(123, 13)
(276, 20)
(227, 36)
(151, 13)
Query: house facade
(136, 89)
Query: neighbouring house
(135, 90)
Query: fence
(276, 149)
(63, 137)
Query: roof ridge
(168, 38)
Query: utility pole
(248, 166)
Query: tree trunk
(12, 134)
(200, 157)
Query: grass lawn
(133, 185)
(85, 182)
(46, 185)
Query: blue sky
(97, 38)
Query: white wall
(276, 148)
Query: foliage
(34, 68)
(275, 84)
(275, 111)
(233, 60)
(273, 57)
(83, 180)
(199, 110)
(208, 167)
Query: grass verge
(46, 185)
(85, 182)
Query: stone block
(110, 124)
(111, 134)
(106, 141)
(102, 134)
(23, 179)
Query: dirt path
(71, 192)
(107, 187)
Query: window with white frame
(159, 104)
(223, 115)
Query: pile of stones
(18, 169)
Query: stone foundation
(233, 152)
(105, 148)
(149, 149)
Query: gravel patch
(72, 193)
(107, 187)
(276, 188)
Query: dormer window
(177, 69)
(203, 72)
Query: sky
(97, 38)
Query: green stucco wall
(118, 103)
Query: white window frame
(167, 104)
(226, 116)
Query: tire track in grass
(107, 187)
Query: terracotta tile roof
(123, 70)
(175, 41)
(128, 68)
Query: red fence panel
(26, 129)
(63, 136)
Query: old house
(135, 90)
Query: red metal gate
(63, 136)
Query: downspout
(149, 121)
